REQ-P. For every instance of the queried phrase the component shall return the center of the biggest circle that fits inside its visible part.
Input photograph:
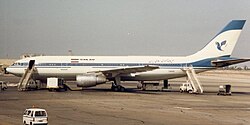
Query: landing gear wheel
(113, 87)
(121, 88)
(117, 88)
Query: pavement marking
(192, 100)
(221, 108)
(187, 108)
(182, 108)
(240, 102)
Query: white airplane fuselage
(68, 67)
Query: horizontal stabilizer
(221, 63)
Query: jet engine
(89, 80)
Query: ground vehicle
(3, 85)
(186, 87)
(32, 116)
(56, 84)
(224, 90)
(32, 85)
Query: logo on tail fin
(219, 45)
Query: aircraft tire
(116, 89)
(122, 89)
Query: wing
(221, 63)
(126, 70)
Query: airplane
(90, 71)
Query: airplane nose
(7, 70)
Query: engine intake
(89, 80)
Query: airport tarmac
(101, 106)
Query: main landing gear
(117, 88)
(116, 85)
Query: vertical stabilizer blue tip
(234, 25)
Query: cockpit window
(14, 64)
(19, 64)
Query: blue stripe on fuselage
(204, 63)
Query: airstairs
(192, 78)
(22, 85)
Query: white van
(33, 116)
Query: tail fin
(223, 43)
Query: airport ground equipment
(56, 84)
(3, 85)
(26, 78)
(192, 78)
(35, 116)
(149, 85)
(186, 87)
(224, 90)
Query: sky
(117, 27)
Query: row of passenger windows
(97, 64)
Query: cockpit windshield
(14, 64)
(19, 64)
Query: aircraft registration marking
(162, 61)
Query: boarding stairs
(192, 78)
(22, 85)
